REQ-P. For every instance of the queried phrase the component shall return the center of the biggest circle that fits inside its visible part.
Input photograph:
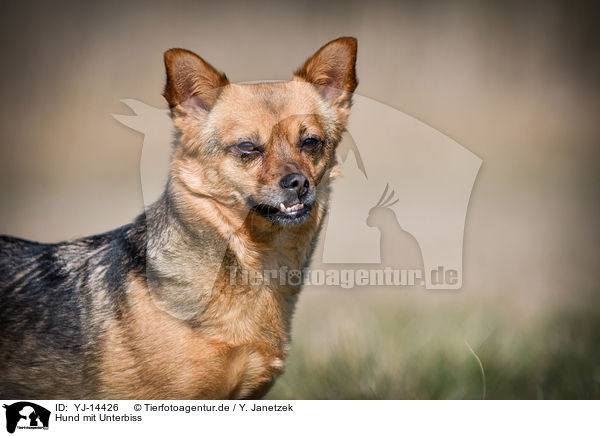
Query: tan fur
(235, 339)
(150, 354)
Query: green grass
(381, 345)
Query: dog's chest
(236, 353)
(234, 348)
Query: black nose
(296, 182)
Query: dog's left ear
(333, 69)
(191, 81)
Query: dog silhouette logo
(26, 415)
(420, 227)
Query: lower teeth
(290, 209)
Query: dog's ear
(333, 69)
(191, 81)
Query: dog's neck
(201, 251)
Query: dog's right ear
(192, 83)
(333, 69)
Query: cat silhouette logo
(419, 221)
(26, 415)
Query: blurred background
(514, 82)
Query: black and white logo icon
(26, 415)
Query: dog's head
(266, 148)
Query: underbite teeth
(290, 209)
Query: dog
(156, 309)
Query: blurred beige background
(515, 83)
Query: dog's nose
(296, 182)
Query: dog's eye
(310, 144)
(248, 147)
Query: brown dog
(158, 308)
